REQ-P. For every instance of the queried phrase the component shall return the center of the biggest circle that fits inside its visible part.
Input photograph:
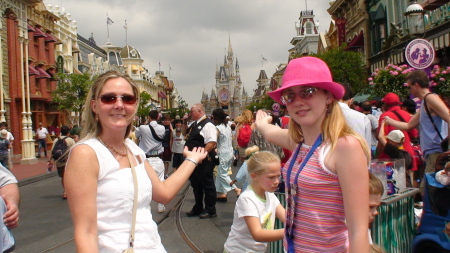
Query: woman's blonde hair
(247, 117)
(256, 163)
(91, 126)
(334, 126)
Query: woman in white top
(99, 181)
(225, 153)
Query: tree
(346, 67)
(71, 91)
(184, 107)
(266, 103)
(144, 108)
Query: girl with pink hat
(327, 178)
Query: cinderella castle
(228, 93)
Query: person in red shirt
(391, 104)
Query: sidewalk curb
(31, 180)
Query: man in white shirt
(357, 121)
(202, 133)
(151, 142)
(41, 134)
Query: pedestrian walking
(257, 207)
(150, 138)
(226, 157)
(108, 181)
(60, 148)
(326, 207)
(41, 137)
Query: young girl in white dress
(257, 207)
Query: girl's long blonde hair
(334, 126)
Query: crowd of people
(317, 151)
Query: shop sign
(340, 23)
(419, 53)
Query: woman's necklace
(113, 149)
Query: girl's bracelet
(191, 160)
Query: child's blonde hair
(250, 150)
(259, 159)
(375, 185)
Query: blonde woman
(98, 178)
(244, 131)
(326, 177)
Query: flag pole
(107, 25)
(126, 32)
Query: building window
(378, 34)
(308, 27)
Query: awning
(49, 38)
(42, 73)
(32, 71)
(38, 32)
(430, 5)
(357, 41)
(30, 28)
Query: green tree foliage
(346, 67)
(144, 108)
(71, 91)
(266, 103)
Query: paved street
(46, 226)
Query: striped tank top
(319, 222)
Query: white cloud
(191, 35)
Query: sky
(191, 35)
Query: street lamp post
(414, 15)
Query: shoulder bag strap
(429, 116)
(399, 116)
(154, 134)
(135, 183)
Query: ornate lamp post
(414, 15)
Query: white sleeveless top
(115, 196)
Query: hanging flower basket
(391, 78)
(440, 81)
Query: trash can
(394, 227)
(277, 247)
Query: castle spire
(230, 49)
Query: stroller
(433, 235)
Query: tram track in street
(176, 211)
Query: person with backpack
(59, 151)
(244, 132)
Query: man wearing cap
(391, 104)
(430, 134)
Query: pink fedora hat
(308, 71)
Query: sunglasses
(290, 97)
(111, 99)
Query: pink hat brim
(334, 88)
